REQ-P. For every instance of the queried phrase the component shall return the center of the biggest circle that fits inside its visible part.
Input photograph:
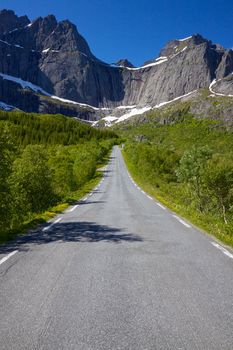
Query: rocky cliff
(54, 56)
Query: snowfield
(6, 107)
(24, 84)
(217, 93)
(130, 111)
(133, 112)
(189, 37)
(28, 85)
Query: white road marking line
(223, 250)
(181, 221)
(84, 199)
(72, 209)
(53, 223)
(160, 205)
(149, 197)
(8, 256)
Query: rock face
(124, 63)
(9, 21)
(56, 57)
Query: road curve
(116, 271)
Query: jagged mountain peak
(43, 34)
(175, 45)
(123, 62)
(67, 38)
(54, 56)
(49, 20)
(10, 21)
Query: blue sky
(135, 29)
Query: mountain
(44, 60)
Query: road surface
(116, 271)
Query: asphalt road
(116, 271)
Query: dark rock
(124, 63)
(224, 86)
(9, 21)
(26, 100)
(56, 57)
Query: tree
(31, 181)
(219, 180)
(192, 168)
(6, 158)
(61, 165)
(84, 166)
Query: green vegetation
(45, 161)
(188, 165)
(50, 129)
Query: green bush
(189, 166)
(43, 160)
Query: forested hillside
(188, 165)
(44, 161)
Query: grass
(38, 219)
(209, 224)
(204, 120)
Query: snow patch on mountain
(174, 99)
(189, 37)
(214, 82)
(140, 110)
(126, 107)
(24, 84)
(147, 65)
(5, 42)
(6, 107)
(133, 112)
(28, 85)
(109, 121)
(159, 60)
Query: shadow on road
(78, 232)
(89, 201)
(86, 232)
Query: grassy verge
(209, 224)
(39, 219)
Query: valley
(48, 67)
(117, 270)
(116, 192)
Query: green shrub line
(39, 219)
(46, 163)
(208, 224)
(187, 163)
